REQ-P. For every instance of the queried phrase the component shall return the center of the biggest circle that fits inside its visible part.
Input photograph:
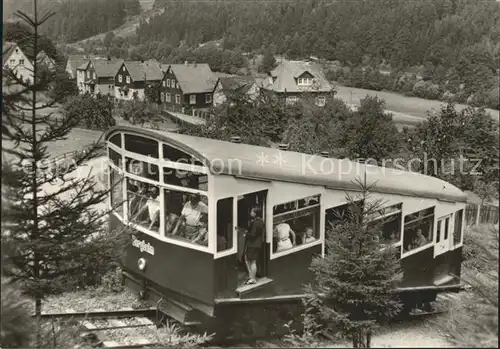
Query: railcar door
(245, 204)
(444, 235)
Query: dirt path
(418, 335)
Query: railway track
(135, 328)
(124, 328)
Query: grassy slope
(411, 106)
(472, 321)
(126, 29)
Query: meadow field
(403, 108)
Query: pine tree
(354, 283)
(52, 231)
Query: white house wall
(25, 71)
(219, 96)
(80, 79)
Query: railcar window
(186, 216)
(115, 157)
(296, 223)
(339, 214)
(224, 224)
(116, 140)
(176, 155)
(143, 169)
(418, 229)
(457, 234)
(141, 145)
(143, 204)
(446, 227)
(388, 221)
(116, 191)
(438, 231)
(186, 179)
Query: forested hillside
(402, 32)
(79, 19)
(458, 41)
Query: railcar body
(199, 275)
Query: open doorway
(244, 207)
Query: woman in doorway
(254, 239)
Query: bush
(92, 113)
(426, 89)
(140, 113)
(17, 325)
(449, 96)
(112, 281)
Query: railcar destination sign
(143, 245)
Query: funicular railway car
(186, 200)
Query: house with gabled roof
(188, 85)
(293, 80)
(72, 64)
(132, 78)
(14, 59)
(99, 76)
(233, 87)
(45, 60)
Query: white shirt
(309, 239)
(282, 231)
(153, 207)
(193, 214)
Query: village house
(233, 87)
(294, 80)
(187, 86)
(46, 61)
(97, 76)
(16, 60)
(132, 78)
(72, 64)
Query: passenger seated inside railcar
(296, 223)
(144, 206)
(285, 237)
(186, 221)
(307, 236)
(418, 229)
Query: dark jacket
(255, 233)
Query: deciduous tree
(370, 132)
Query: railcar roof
(267, 163)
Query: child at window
(308, 236)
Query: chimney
(325, 154)
(186, 63)
(283, 146)
(236, 139)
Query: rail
(149, 312)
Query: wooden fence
(480, 214)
